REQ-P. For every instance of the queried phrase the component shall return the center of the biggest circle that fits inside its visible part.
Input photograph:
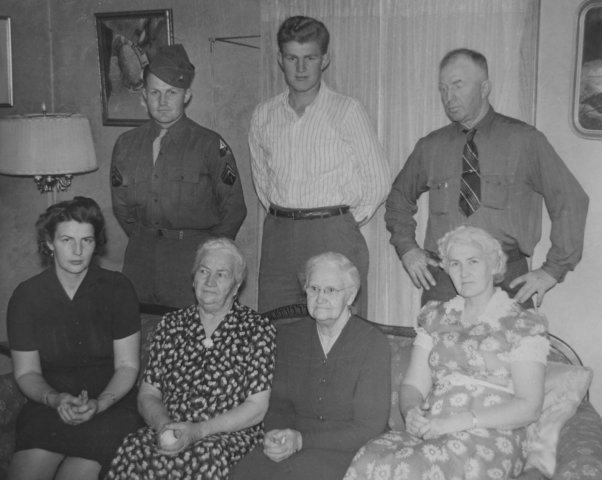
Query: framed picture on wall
(126, 43)
(587, 105)
(6, 69)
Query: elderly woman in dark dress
(207, 384)
(332, 387)
(74, 336)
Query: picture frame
(127, 41)
(6, 67)
(587, 97)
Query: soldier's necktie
(470, 183)
(157, 142)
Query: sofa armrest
(579, 454)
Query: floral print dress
(470, 365)
(201, 378)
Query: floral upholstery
(579, 454)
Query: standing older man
(318, 168)
(174, 184)
(490, 171)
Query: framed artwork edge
(137, 46)
(6, 82)
(578, 104)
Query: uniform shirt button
(321, 417)
(320, 399)
(322, 380)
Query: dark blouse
(74, 337)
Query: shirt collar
(174, 132)
(499, 305)
(482, 125)
(319, 100)
(91, 278)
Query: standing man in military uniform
(173, 185)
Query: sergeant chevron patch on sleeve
(228, 175)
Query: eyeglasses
(314, 290)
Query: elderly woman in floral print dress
(207, 384)
(475, 379)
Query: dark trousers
(160, 267)
(287, 244)
(445, 290)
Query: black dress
(74, 338)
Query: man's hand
(415, 262)
(533, 282)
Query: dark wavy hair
(80, 209)
(303, 29)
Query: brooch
(207, 343)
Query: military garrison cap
(171, 64)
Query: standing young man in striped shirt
(318, 169)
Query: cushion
(565, 387)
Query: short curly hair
(79, 209)
(467, 235)
(339, 261)
(222, 243)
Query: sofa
(579, 451)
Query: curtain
(386, 53)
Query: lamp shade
(53, 144)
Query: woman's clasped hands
(75, 410)
(175, 437)
(278, 445)
(419, 425)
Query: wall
(55, 56)
(55, 60)
(573, 307)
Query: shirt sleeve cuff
(555, 271)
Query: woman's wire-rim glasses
(314, 290)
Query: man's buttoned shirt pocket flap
(187, 183)
(495, 190)
(443, 192)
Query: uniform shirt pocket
(495, 191)
(440, 196)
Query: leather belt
(308, 213)
(172, 233)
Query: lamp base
(49, 183)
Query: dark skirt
(39, 426)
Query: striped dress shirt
(328, 156)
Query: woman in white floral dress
(475, 379)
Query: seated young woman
(74, 334)
(332, 384)
(475, 379)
